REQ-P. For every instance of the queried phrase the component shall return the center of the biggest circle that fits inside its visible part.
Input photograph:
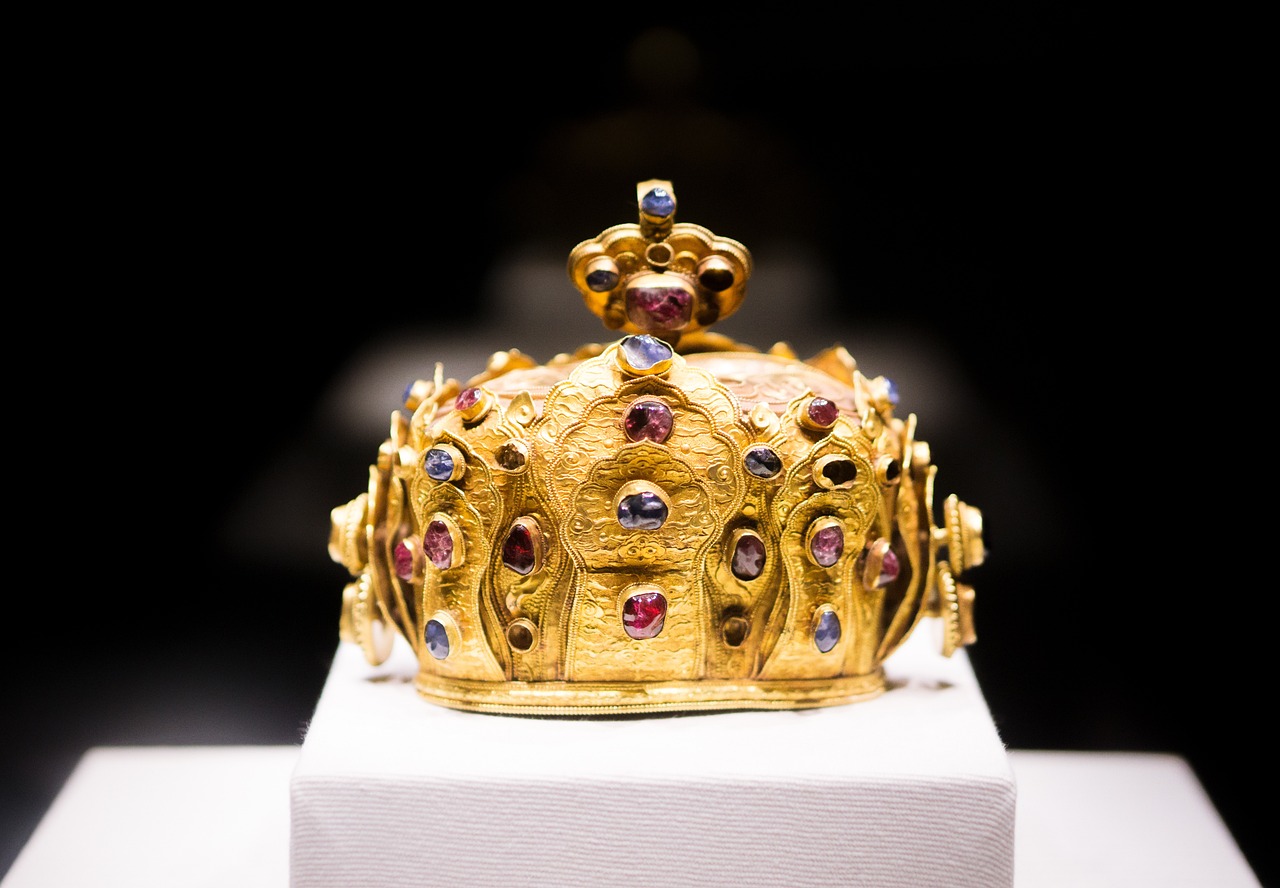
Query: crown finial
(659, 276)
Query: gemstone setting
(442, 463)
(644, 613)
(648, 420)
(658, 202)
(826, 630)
(601, 280)
(642, 510)
(747, 561)
(659, 308)
(644, 354)
(402, 556)
(522, 549)
(467, 399)
(821, 412)
(438, 544)
(437, 638)
(762, 461)
(825, 541)
(890, 567)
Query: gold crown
(631, 527)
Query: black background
(224, 219)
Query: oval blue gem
(438, 464)
(893, 391)
(602, 279)
(642, 511)
(643, 351)
(762, 462)
(437, 639)
(827, 632)
(658, 202)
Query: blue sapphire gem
(658, 202)
(644, 351)
(602, 279)
(642, 511)
(438, 464)
(437, 639)
(827, 631)
(408, 390)
(893, 391)
(762, 462)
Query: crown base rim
(621, 698)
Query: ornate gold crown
(669, 521)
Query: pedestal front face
(912, 789)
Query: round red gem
(643, 614)
(823, 412)
(648, 421)
(437, 542)
(519, 552)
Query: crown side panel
(451, 595)
(912, 530)
(824, 625)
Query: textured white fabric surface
(165, 817)
(911, 790)
(194, 817)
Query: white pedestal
(911, 790)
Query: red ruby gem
(467, 398)
(823, 412)
(519, 551)
(643, 614)
(403, 557)
(437, 542)
(648, 421)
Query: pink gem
(437, 542)
(467, 398)
(659, 308)
(643, 614)
(827, 545)
(823, 412)
(403, 557)
(888, 569)
(648, 421)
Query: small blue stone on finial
(658, 202)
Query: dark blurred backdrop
(269, 229)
